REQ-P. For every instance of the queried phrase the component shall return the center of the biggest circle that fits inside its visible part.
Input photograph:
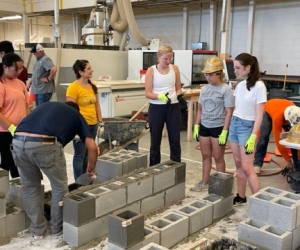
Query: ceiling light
(5, 18)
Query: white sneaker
(257, 169)
(199, 187)
(38, 237)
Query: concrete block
(79, 209)
(78, 236)
(108, 200)
(125, 229)
(264, 236)
(142, 159)
(175, 193)
(258, 208)
(129, 163)
(134, 207)
(163, 179)
(2, 207)
(295, 198)
(173, 227)
(153, 246)
(4, 181)
(102, 160)
(153, 202)
(150, 236)
(272, 191)
(14, 221)
(220, 184)
(110, 168)
(140, 188)
(221, 206)
(283, 214)
(180, 173)
(200, 214)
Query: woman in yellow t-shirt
(85, 94)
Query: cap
(36, 48)
(213, 64)
(292, 114)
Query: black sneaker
(237, 200)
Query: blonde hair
(164, 49)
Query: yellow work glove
(196, 132)
(223, 137)
(164, 98)
(250, 144)
(12, 129)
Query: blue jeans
(240, 130)
(80, 153)
(41, 98)
(31, 158)
(263, 141)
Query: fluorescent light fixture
(5, 18)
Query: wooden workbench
(192, 97)
(279, 78)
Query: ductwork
(117, 24)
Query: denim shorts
(240, 130)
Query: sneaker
(199, 187)
(257, 169)
(38, 237)
(237, 200)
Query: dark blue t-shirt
(56, 119)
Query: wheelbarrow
(121, 130)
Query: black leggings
(7, 161)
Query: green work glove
(196, 132)
(12, 129)
(164, 98)
(250, 144)
(223, 137)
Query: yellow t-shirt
(86, 100)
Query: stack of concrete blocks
(195, 215)
(273, 220)
(144, 191)
(113, 165)
(12, 218)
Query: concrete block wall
(164, 182)
(273, 221)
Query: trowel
(85, 180)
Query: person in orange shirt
(13, 107)
(279, 114)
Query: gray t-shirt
(42, 69)
(214, 100)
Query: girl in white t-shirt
(250, 98)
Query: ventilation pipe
(132, 23)
(118, 11)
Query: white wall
(276, 35)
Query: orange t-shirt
(13, 100)
(275, 108)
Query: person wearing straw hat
(215, 107)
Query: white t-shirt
(246, 101)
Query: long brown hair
(80, 65)
(246, 59)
